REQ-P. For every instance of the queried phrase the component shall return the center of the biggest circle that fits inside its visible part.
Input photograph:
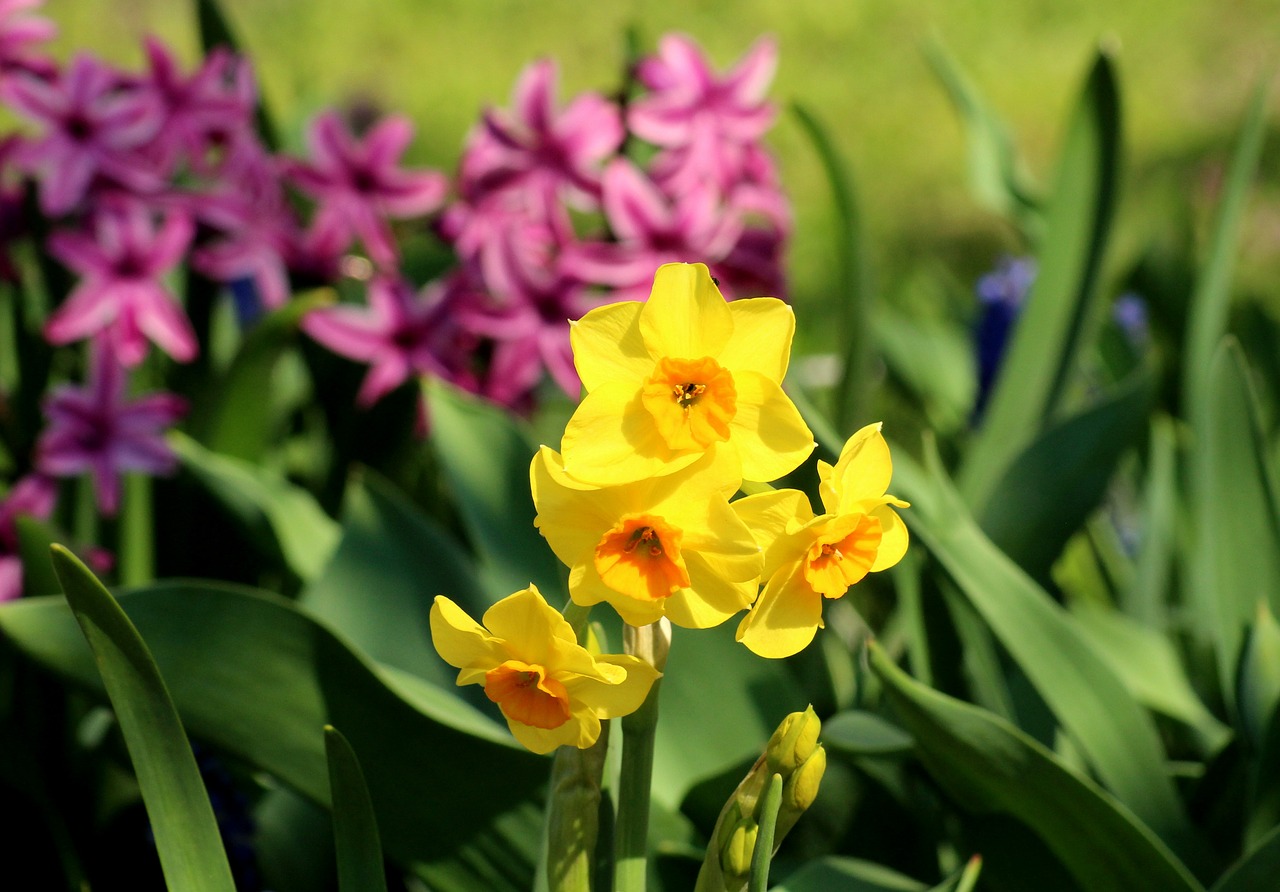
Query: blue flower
(1001, 293)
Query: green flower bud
(793, 742)
(735, 857)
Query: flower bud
(801, 788)
(793, 741)
(735, 857)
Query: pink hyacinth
(537, 147)
(120, 295)
(19, 33)
(359, 184)
(32, 496)
(651, 229)
(95, 125)
(707, 123)
(95, 429)
(399, 334)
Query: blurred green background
(1186, 69)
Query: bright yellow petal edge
(538, 670)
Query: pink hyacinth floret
(20, 32)
(96, 429)
(120, 296)
(31, 496)
(358, 184)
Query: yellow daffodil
(551, 690)
(663, 546)
(682, 374)
(810, 557)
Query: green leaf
(1235, 563)
(1057, 481)
(186, 832)
(1211, 296)
(390, 563)
(257, 677)
(988, 766)
(934, 359)
(848, 875)
(1258, 695)
(996, 176)
(1256, 870)
(1147, 599)
(238, 418)
(486, 461)
(34, 539)
(856, 288)
(857, 732)
(1088, 698)
(282, 519)
(355, 827)
(1052, 330)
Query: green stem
(636, 776)
(763, 854)
(137, 549)
(573, 815)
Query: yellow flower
(663, 546)
(672, 378)
(551, 690)
(810, 557)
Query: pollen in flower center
(526, 694)
(691, 401)
(640, 557)
(843, 553)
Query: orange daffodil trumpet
(662, 546)
(807, 557)
(551, 690)
(685, 373)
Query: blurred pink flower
(95, 429)
(120, 295)
(19, 31)
(358, 184)
(31, 496)
(399, 334)
(651, 229)
(208, 115)
(534, 146)
(95, 124)
(706, 122)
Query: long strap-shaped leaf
(989, 766)
(355, 827)
(1116, 735)
(1052, 329)
(186, 833)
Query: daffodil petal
(864, 468)
(893, 538)
(785, 617)
(761, 342)
(581, 731)
(570, 516)
(767, 515)
(607, 345)
(770, 436)
(461, 641)
(587, 588)
(612, 439)
(623, 698)
(710, 599)
(529, 625)
(686, 316)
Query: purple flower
(32, 496)
(539, 148)
(208, 116)
(95, 429)
(1001, 294)
(95, 124)
(652, 228)
(18, 32)
(399, 334)
(120, 295)
(359, 184)
(707, 122)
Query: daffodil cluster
(683, 402)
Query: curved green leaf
(847, 875)
(989, 766)
(355, 827)
(486, 460)
(275, 514)
(1115, 734)
(253, 674)
(1256, 870)
(186, 832)
(860, 733)
(1052, 328)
